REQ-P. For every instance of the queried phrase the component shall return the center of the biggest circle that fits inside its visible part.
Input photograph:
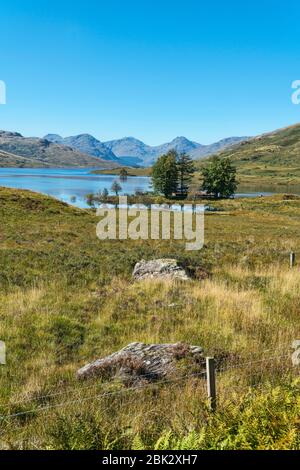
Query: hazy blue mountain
(85, 143)
(223, 144)
(180, 144)
(129, 146)
(54, 138)
(17, 150)
(133, 152)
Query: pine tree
(186, 169)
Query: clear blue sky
(151, 69)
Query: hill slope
(19, 151)
(281, 147)
(9, 160)
(272, 158)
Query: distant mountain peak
(8, 134)
(132, 139)
(85, 143)
(181, 138)
(54, 138)
(83, 136)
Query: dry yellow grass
(66, 298)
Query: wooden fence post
(292, 259)
(211, 383)
(2, 353)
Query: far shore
(130, 171)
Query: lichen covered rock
(164, 268)
(139, 362)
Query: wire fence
(234, 377)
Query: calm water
(72, 185)
(66, 184)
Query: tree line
(172, 175)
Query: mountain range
(28, 152)
(133, 152)
(280, 148)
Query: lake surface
(72, 185)
(67, 184)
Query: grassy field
(67, 298)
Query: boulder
(139, 362)
(164, 268)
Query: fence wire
(235, 377)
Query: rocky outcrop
(159, 269)
(139, 362)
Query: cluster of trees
(102, 196)
(172, 175)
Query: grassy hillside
(9, 160)
(67, 298)
(270, 159)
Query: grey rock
(164, 268)
(139, 362)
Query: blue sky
(151, 69)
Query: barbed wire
(121, 392)
(152, 376)
(240, 365)
(200, 374)
(102, 395)
(233, 366)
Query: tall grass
(66, 298)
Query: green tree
(90, 199)
(185, 169)
(123, 174)
(219, 177)
(165, 174)
(116, 187)
(105, 193)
